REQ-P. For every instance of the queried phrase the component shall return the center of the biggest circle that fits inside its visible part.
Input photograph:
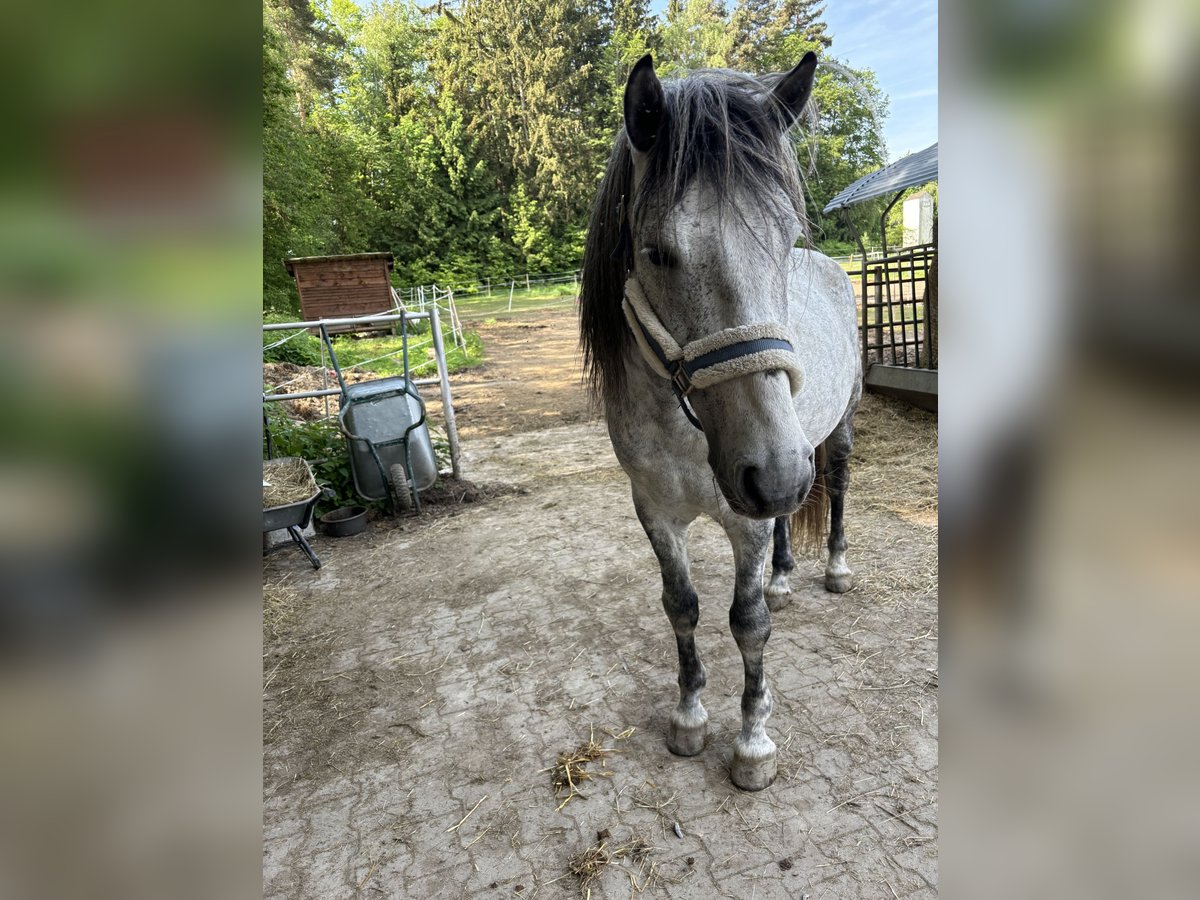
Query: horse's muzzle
(768, 491)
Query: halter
(722, 356)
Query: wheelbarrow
(391, 454)
(292, 517)
(383, 421)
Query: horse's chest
(664, 457)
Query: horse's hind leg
(838, 577)
(779, 592)
(753, 766)
(668, 537)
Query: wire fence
(508, 286)
(491, 296)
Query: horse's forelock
(719, 130)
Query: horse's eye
(658, 257)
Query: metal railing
(896, 328)
(439, 352)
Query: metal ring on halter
(681, 382)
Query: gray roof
(914, 169)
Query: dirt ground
(420, 688)
(530, 378)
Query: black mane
(720, 128)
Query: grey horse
(725, 358)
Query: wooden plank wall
(338, 289)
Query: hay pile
(588, 866)
(286, 481)
(894, 466)
(569, 771)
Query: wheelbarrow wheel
(401, 492)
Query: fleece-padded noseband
(723, 356)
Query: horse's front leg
(753, 766)
(668, 537)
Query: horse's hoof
(776, 602)
(753, 769)
(778, 592)
(685, 734)
(839, 582)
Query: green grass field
(382, 354)
(539, 296)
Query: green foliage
(322, 445)
(766, 33)
(468, 138)
(352, 351)
(847, 144)
(695, 35)
(304, 349)
(835, 247)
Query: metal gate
(897, 326)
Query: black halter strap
(681, 383)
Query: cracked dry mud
(421, 685)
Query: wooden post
(511, 287)
(879, 316)
(931, 303)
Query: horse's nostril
(750, 485)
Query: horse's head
(715, 212)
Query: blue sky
(897, 39)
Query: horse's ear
(644, 103)
(794, 89)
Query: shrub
(322, 445)
(837, 248)
(304, 349)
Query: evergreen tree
(766, 33)
(312, 68)
(468, 137)
(695, 35)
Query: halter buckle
(681, 381)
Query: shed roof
(914, 169)
(344, 258)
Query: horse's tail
(808, 523)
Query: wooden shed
(335, 287)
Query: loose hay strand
(589, 865)
(569, 771)
(467, 816)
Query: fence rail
(496, 285)
(443, 373)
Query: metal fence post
(439, 354)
